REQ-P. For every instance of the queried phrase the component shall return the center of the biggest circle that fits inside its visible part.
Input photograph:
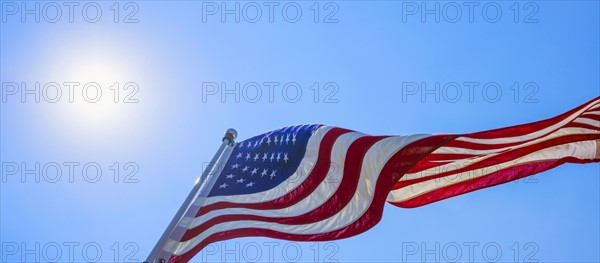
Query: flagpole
(228, 140)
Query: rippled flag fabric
(317, 182)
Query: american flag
(317, 182)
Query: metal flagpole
(201, 183)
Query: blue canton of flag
(263, 162)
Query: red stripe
(442, 157)
(480, 146)
(391, 172)
(483, 146)
(582, 125)
(504, 157)
(434, 160)
(337, 202)
(594, 116)
(527, 128)
(496, 178)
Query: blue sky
(530, 61)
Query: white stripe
(321, 194)
(304, 168)
(461, 150)
(581, 150)
(461, 163)
(584, 120)
(372, 163)
(593, 112)
(526, 137)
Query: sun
(99, 83)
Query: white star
(278, 157)
(241, 144)
(273, 174)
(272, 157)
(275, 141)
(255, 143)
(229, 176)
(281, 141)
(223, 185)
(247, 156)
(287, 138)
(294, 138)
(268, 140)
(249, 145)
(254, 171)
(250, 184)
(241, 180)
(264, 172)
(285, 158)
(239, 155)
(256, 157)
(245, 168)
(235, 166)
(265, 157)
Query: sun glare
(98, 84)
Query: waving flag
(316, 182)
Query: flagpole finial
(230, 136)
